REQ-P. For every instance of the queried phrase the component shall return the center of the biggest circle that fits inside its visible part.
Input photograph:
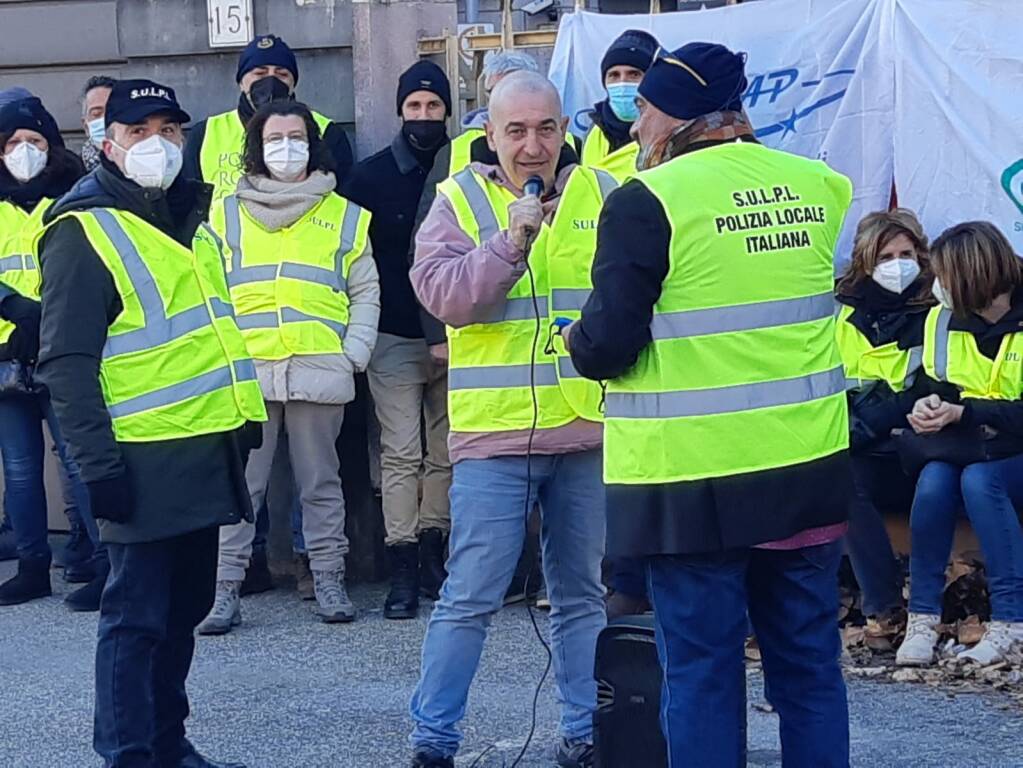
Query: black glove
(111, 499)
(25, 314)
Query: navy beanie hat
(266, 51)
(695, 80)
(633, 48)
(424, 76)
(31, 114)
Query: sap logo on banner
(767, 88)
(1012, 183)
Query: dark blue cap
(633, 48)
(695, 80)
(132, 101)
(424, 76)
(266, 51)
(31, 114)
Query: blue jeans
(628, 576)
(488, 528)
(877, 570)
(23, 449)
(700, 610)
(990, 492)
(156, 595)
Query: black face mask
(424, 135)
(268, 89)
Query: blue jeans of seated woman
(23, 449)
(989, 492)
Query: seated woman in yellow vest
(973, 353)
(36, 169)
(609, 144)
(307, 299)
(883, 297)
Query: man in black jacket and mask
(267, 71)
(408, 372)
(160, 446)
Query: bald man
(470, 271)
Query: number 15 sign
(230, 22)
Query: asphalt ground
(284, 691)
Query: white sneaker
(227, 610)
(999, 637)
(917, 650)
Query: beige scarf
(279, 204)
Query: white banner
(820, 82)
(959, 128)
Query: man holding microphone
(726, 427)
(522, 432)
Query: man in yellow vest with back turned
(267, 71)
(726, 431)
(470, 272)
(156, 394)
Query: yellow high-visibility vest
(174, 364)
(568, 247)
(290, 287)
(18, 268)
(953, 356)
(597, 154)
(743, 373)
(490, 366)
(461, 149)
(864, 363)
(220, 157)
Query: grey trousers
(312, 431)
(409, 389)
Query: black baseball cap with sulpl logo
(132, 101)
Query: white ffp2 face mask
(939, 293)
(25, 161)
(153, 162)
(286, 159)
(896, 275)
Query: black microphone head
(534, 186)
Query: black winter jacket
(178, 486)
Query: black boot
(86, 599)
(32, 582)
(257, 575)
(403, 600)
(432, 556)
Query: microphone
(534, 186)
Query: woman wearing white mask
(35, 169)
(306, 295)
(969, 433)
(884, 297)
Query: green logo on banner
(1012, 183)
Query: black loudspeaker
(627, 729)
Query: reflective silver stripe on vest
(566, 369)
(502, 377)
(742, 317)
(17, 263)
(571, 299)
(240, 275)
(176, 393)
(941, 344)
(289, 315)
(245, 370)
(519, 308)
(606, 182)
(733, 399)
(221, 308)
(479, 203)
(916, 359)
